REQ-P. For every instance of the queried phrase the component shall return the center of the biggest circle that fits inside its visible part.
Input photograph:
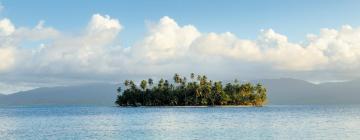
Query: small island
(198, 91)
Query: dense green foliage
(197, 91)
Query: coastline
(202, 106)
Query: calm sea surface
(271, 122)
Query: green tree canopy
(199, 91)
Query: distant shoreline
(201, 106)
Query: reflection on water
(272, 122)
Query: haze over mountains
(89, 94)
(292, 91)
(280, 91)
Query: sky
(51, 43)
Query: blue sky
(244, 18)
(109, 41)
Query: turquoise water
(271, 122)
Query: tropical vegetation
(198, 91)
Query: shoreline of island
(199, 91)
(216, 106)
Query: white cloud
(166, 40)
(289, 56)
(341, 47)
(7, 52)
(226, 45)
(88, 52)
(6, 27)
(169, 47)
(39, 32)
(7, 58)
(100, 23)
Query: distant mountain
(90, 94)
(280, 91)
(293, 91)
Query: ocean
(276, 122)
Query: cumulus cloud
(165, 40)
(169, 47)
(99, 23)
(7, 58)
(6, 27)
(39, 32)
(168, 43)
(89, 52)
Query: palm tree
(209, 92)
(166, 84)
(150, 82)
(126, 83)
(183, 89)
(218, 89)
(161, 83)
(176, 78)
(260, 94)
(197, 93)
(132, 84)
(118, 90)
(183, 81)
(199, 77)
(143, 86)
